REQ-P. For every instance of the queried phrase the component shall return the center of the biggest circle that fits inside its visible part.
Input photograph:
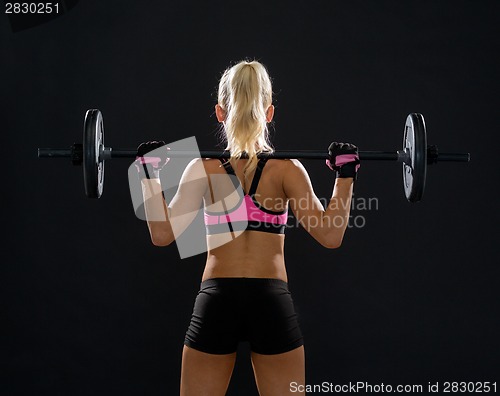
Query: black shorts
(257, 310)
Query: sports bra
(248, 214)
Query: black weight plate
(93, 144)
(415, 168)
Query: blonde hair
(245, 94)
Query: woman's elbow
(160, 235)
(332, 240)
(161, 240)
(331, 244)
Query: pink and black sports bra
(248, 214)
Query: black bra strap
(227, 166)
(256, 176)
(230, 171)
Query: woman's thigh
(276, 374)
(205, 374)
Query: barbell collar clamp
(105, 153)
(77, 153)
(404, 156)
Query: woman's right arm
(168, 221)
(156, 212)
(326, 225)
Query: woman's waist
(243, 283)
(244, 267)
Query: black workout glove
(343, 159)
(151, 158)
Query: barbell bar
(415, 156)
(110, 153)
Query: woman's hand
(344, 159)
(151, 158)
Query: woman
(244, 292)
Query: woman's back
(252, 254)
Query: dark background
(90, 307)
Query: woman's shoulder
(290, 170)
(210, 164)
(284, 169)
(285, 164)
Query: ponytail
(245, 94)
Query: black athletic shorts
(257, 310)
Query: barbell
(415, 156)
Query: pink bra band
(246, 211)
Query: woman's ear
(220, 113)
(270, 113)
